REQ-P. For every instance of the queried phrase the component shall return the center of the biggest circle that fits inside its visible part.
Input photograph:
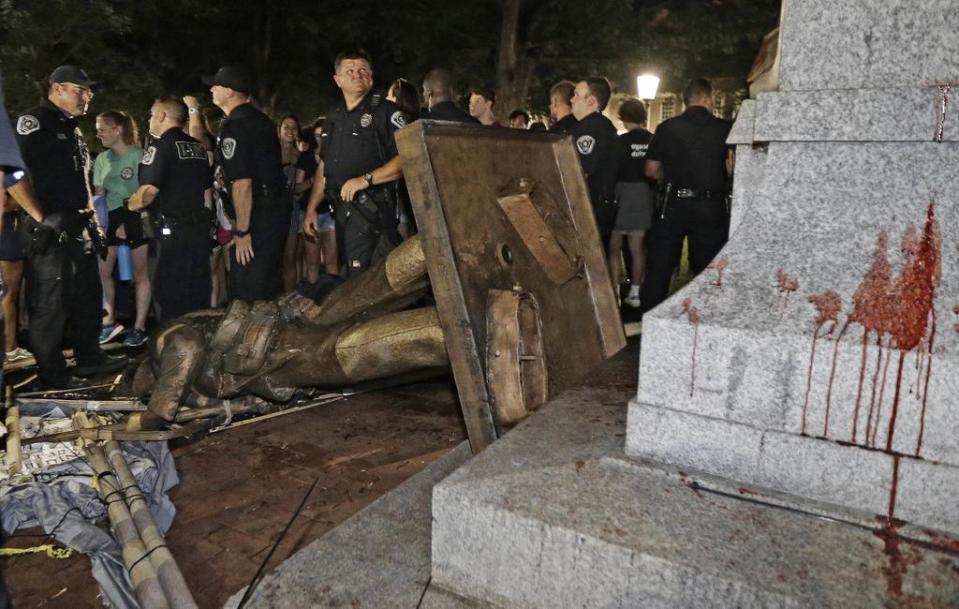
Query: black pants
(366, 230)
(705, 222)
(182, 282)
(63, 285)
(262, 277)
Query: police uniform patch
(398, 119)
(190, 150)
(585, 144)
(127, 172)
(27, 124)
(366, 120)
(148, 155)
(228, 146)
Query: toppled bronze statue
(348, 333)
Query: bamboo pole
(144, 577)
(14, 454)
(169, 574)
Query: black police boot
(67, 381)
(103, 365)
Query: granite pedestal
(823, 361)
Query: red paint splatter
(829, 305)
(882, 393)
(719, 265)
(875, 310)
(898, 565)
(785, 283)
(915, 292)
(862, 376)
(902, 316)
(692, 314)
(832, 376)
(872, 396)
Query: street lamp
(646, 86)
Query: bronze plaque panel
(506, 209)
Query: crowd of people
(195, 216)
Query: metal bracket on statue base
(499, 208)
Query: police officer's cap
(72, 74)
(234, 77)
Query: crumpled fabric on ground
(64, 503)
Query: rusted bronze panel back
(498, 209)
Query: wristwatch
(240, 233)
(369, 178)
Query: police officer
(689, 154)
(438, 95)
(598, 148)
(176, 180)
(560, 106)
(249, 152)
(63, 282)
(359, 166)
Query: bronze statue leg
(392, 344)
(394, 283)
(181, 348)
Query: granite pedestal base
(555, 515)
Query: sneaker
(632, 301)
(17, 355)
(135, 337)
(109, 332)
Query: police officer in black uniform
(689, 154)
(176, 181)
(599, 153)
(438, 95)
(359, 167)
(561, 108)
(249, 152)
(63, 283)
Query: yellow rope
(51, 551)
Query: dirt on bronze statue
(341, 333)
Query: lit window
(719, 106)
(668, 109)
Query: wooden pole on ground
(144, 577)
(169, 574)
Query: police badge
(228, 146)
(585, 144)
(366, 120)
(27, 124)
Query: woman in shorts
(11, 265)
(115, 178)
(322, 249)
(635, 196)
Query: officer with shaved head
(176, 183)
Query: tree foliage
(141, 49)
